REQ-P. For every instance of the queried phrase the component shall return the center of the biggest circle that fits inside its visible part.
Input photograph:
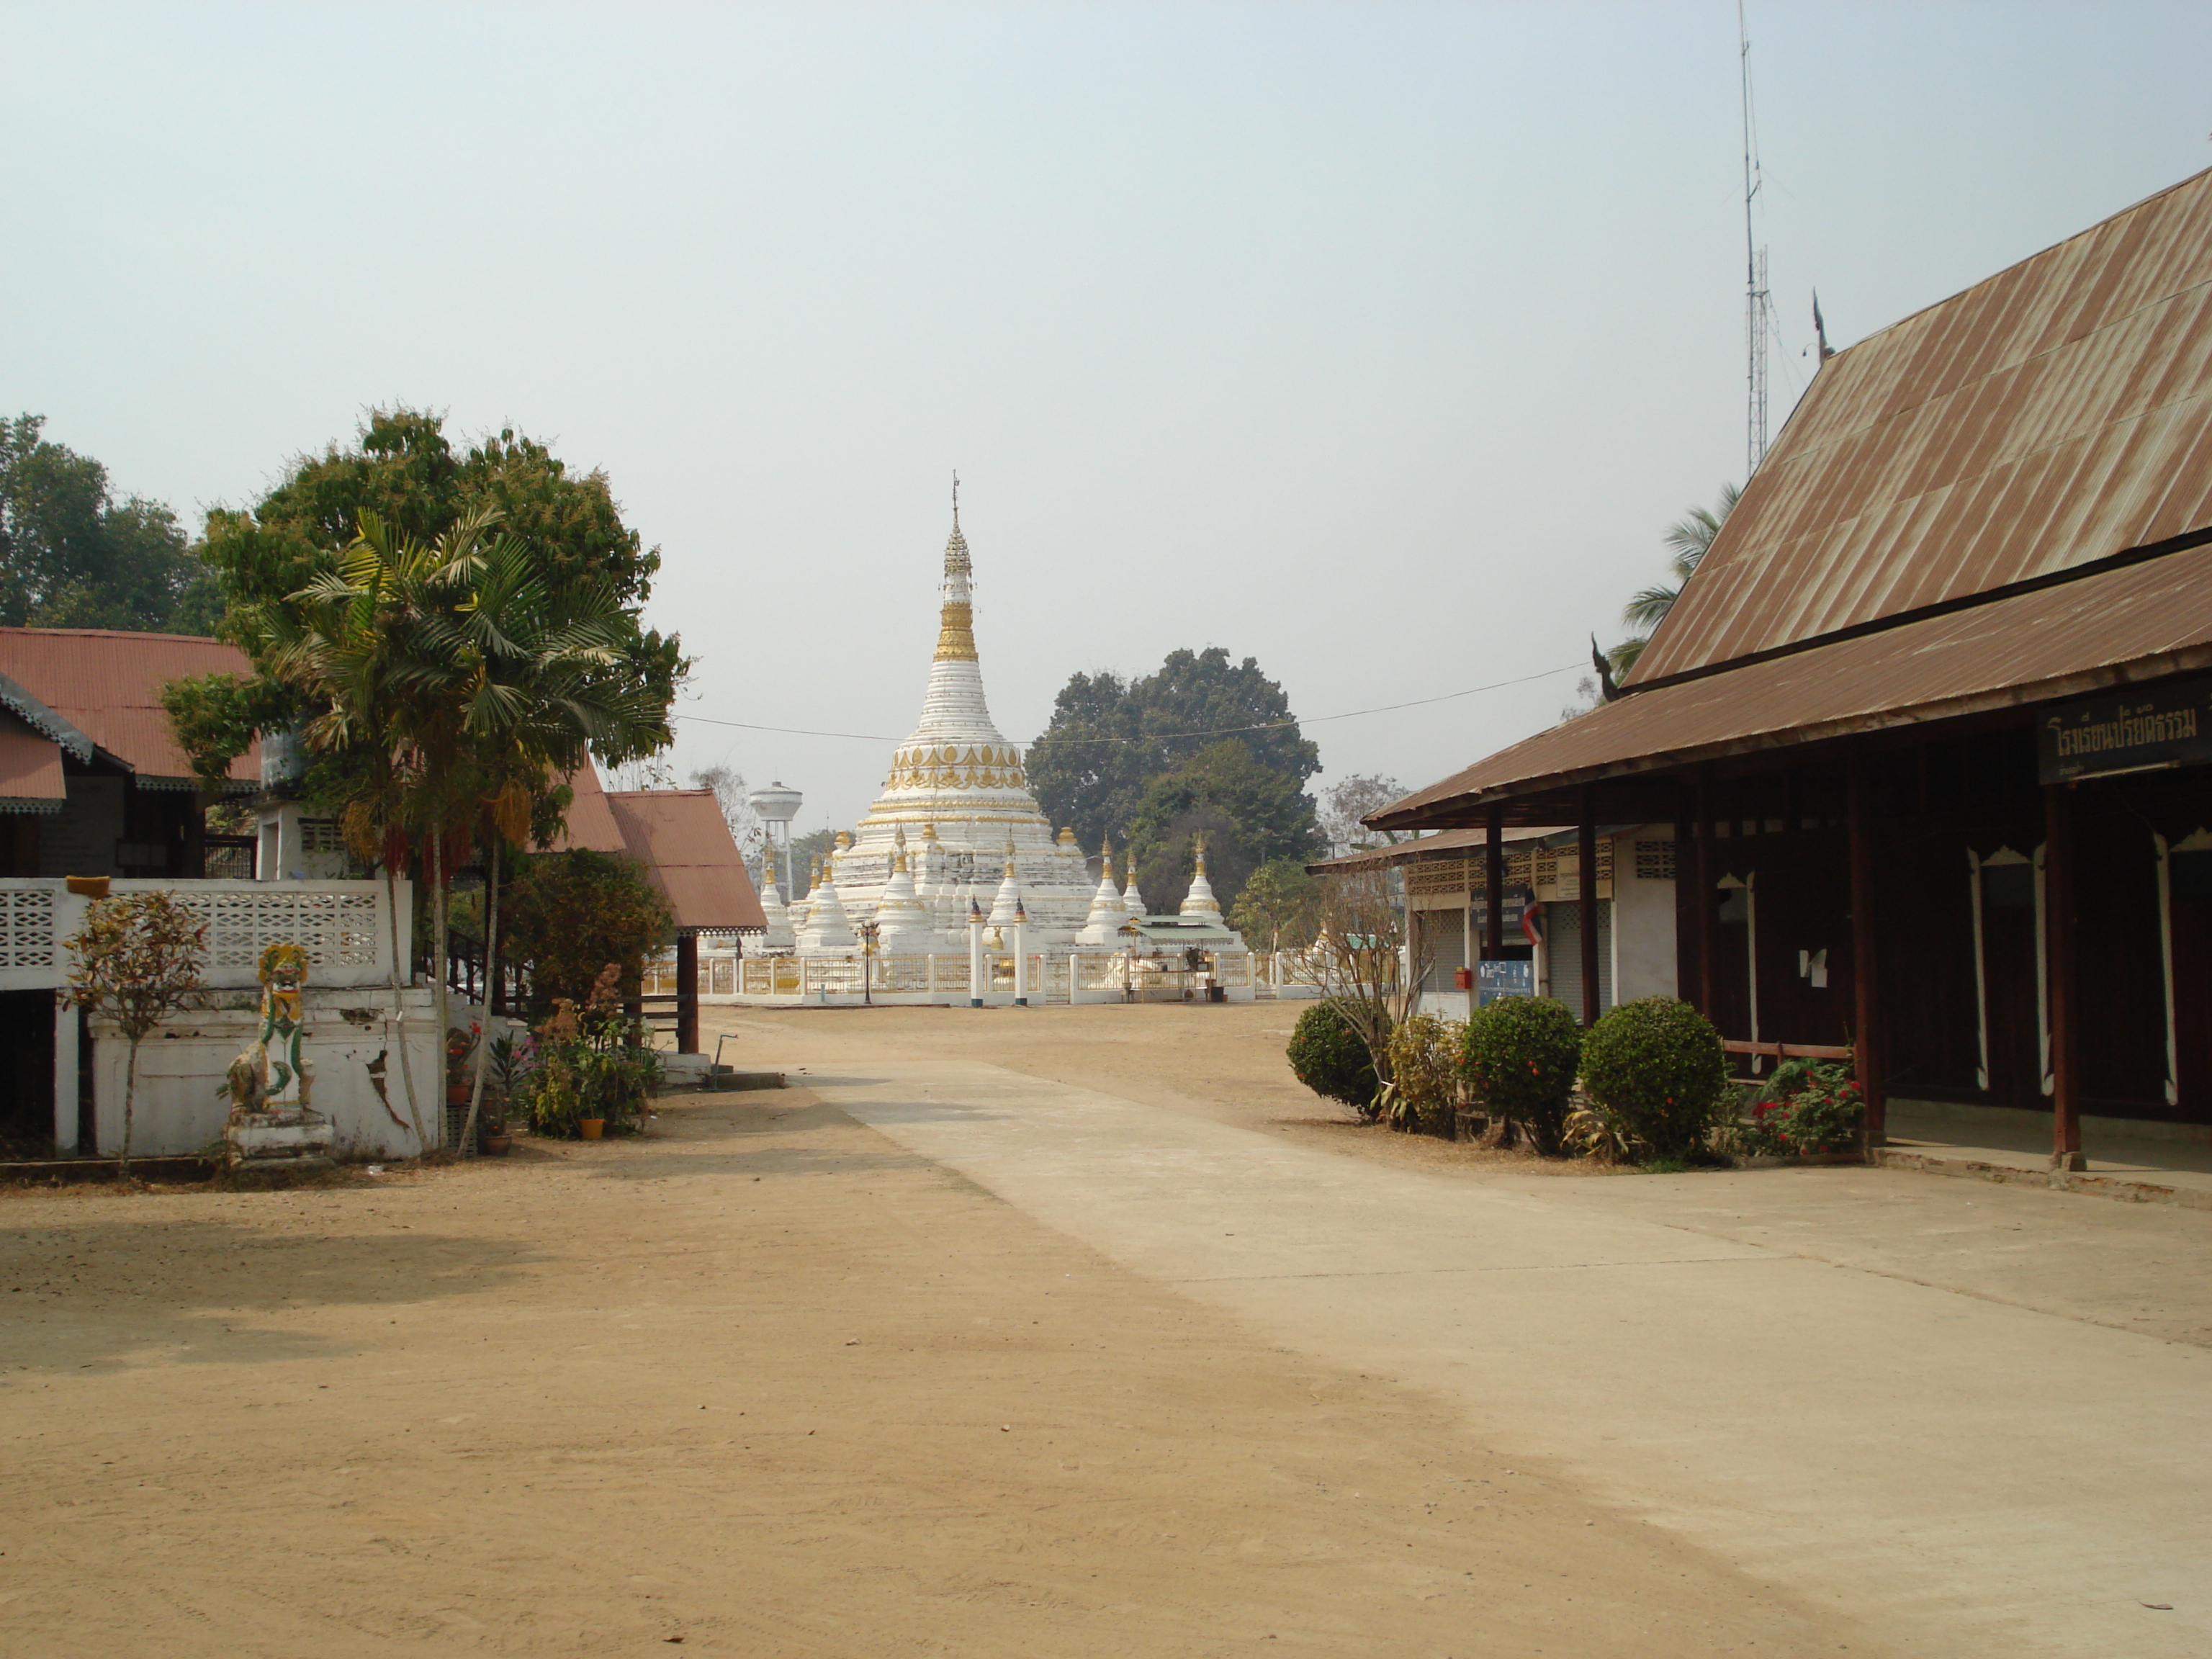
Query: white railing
(345, 927)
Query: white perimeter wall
(183, 1100)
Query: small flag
(1532, 922)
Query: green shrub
(1520, 1054)
(1326, 1055)
(1807, 1106)
(1657, 1066)
(1424, 1074)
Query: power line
(1162, 736)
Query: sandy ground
(767, 1384)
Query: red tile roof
(30, 769)
(108, 684)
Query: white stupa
(829, 929)
(1200, 900)
(779, 938)
(958, 785)
(1133, 901)
(1102, 927)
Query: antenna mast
(1754, 282)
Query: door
(2011, 979)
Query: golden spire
(1010, 854)
(898, 860)
(955, 628)
(1106, 858)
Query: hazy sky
(1378, 342)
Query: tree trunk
(130, 1103)
(491, 978)
(440, 990)
(399, 978)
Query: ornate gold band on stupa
(955, 633)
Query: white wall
(1642, 922)
(182, 1102)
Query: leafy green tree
(1687, 541)
(572, 914)
(72, 557)
(1111, 739)
(1278, 906)
(1247, 810)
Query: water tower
(776, 807)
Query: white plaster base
(183, 1097)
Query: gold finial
(844, 840)
(929, 832)
(898, 859)
(1009, 853)
(1199, 842)
(1106, 858)
(899, 835)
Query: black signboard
(2125, 732)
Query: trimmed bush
(1424, 1074)
(1326, 1055)
(1657, 1066)
(1807, 1107)
(1520, 1056)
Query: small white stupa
(779, 938)
(1200, 900)
(1006, 904)
(904, 926)
(827, 927)
(1133, 901)
(1102, 927)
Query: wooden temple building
(1932, 721)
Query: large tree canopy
(72, 557)
(1204, 746)
(404, 474)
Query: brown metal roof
(2140, 622)
(108, 685)
(2057, 413)
(30, 769)
(1421, 847)
(590, 825)
(689, 856)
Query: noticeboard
(2127, 731)
(1493, 979)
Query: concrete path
(1968, 1477)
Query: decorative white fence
(1053, 977)
(345, 925)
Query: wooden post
(1866, 1037)
(1586, 885)
(1701, 876)
(687, 993)
(1493, 878)
(2058, 892)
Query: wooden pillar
(1865, 991)
(1701, 876)
(2058, 898)
(1493, 881)
(687, 993)
(1586, 886)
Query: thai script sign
(2160, 725)
(1494, 980)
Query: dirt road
(763, 1382)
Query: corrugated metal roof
(2140, 622)
(689, 856)
(2057, 413)
(30, 770)
(108, 685)
(1422, 846)
(591, 826)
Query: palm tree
(547, 681)
(371, 644)
(1688, 539)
